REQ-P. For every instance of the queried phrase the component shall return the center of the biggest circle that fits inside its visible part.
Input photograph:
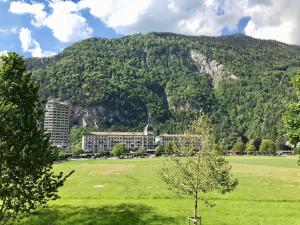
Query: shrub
(250, 148)
(267, 146)
(239, 147)
(159, 151)
(119, 150)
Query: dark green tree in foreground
(26, 158)
(197, 167)
(119, 150)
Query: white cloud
(180, 16)
(270, 19)
(3, 52)
(31, 45)
(64, 20)
(12, 30)
(278, 20)
(36, 9)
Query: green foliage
(267, 146)
(76, 134)
(103, 153)
(26, 158)
(257, 143)
(159, 150)
(281, 144)
(128, 78)
(77, 150)
(250, 148)
(297, 150)
(119, 150)
(64, 155)
(291, 122)
(195, 168)
(239, 147)
(140, 152)
(291, 117)
(169, 148)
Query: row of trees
(265, 146)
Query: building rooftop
(108, 133)
(171, 135)
(57, 100)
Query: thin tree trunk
(195, 210)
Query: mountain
(242, 83)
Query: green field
(129, 192)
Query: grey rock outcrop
(85, 116)
(211, 67)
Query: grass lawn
(130, 192)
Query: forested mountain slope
(242, 83)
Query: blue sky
(43, 28)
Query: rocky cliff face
(97, 116)
(85, 116)
(211, 67)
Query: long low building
(95, 141)
(164, 138)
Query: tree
(257, 142)
(101, 153)
(159, 150)
(77, 150)
(141, 151)
(291, 123)
(119, 150)
(242, 137)
(281, 144)
(169, 147)
(26, 157)
(76, 134)
(250, 148)
(198, 167)
(291, 117)
(267, 146)
(239, 147)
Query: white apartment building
(56, 122)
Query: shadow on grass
(124, 214)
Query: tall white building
(57, 122)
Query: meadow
(130, 192)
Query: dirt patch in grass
(116, 169)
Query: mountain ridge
(114, 83)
